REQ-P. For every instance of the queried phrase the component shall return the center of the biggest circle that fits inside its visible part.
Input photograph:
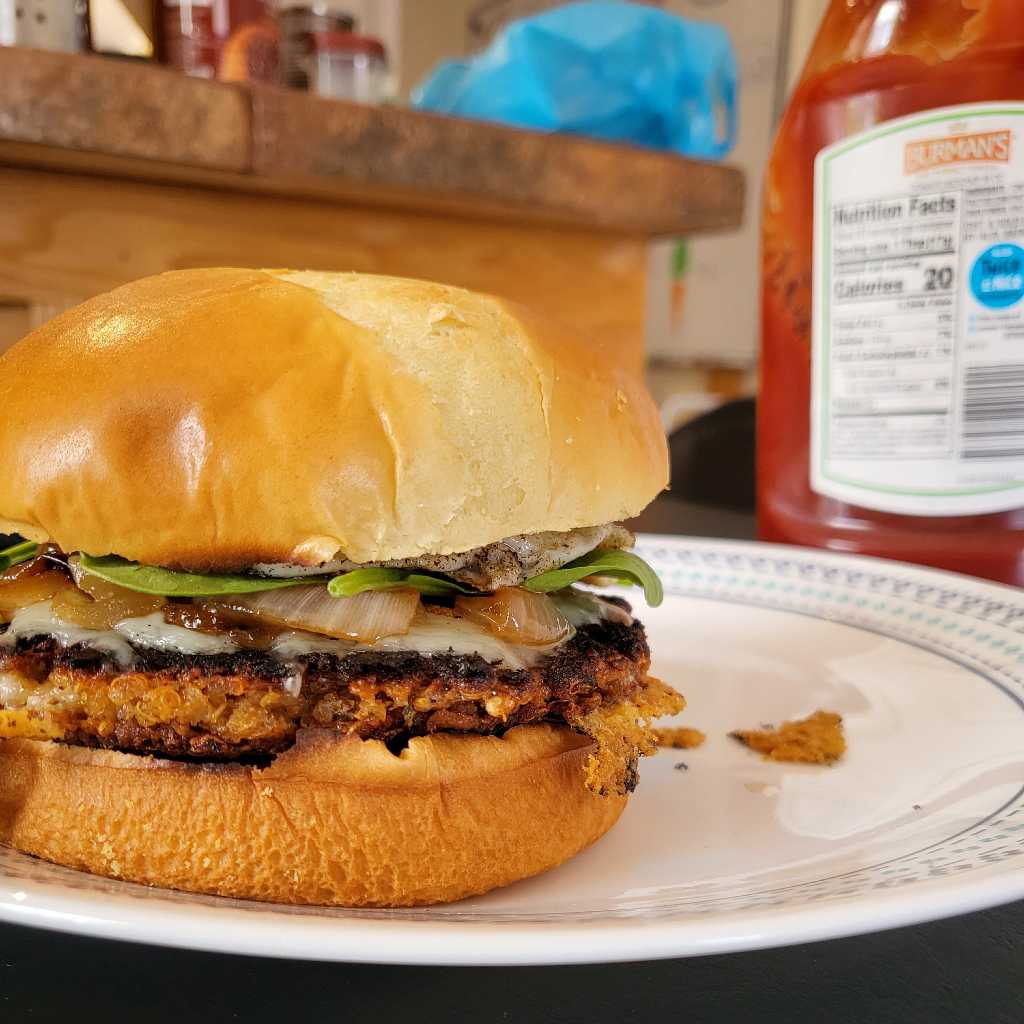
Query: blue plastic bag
(612, 70)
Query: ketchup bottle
(891, 415)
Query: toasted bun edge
(336, 822)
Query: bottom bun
(332, 821)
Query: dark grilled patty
(239, 705)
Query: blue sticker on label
(997, 277)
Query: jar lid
(313, 14)
(349, 42)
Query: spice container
(297, 24)
(45, 24)
(230, 39)
(348, 66)
(891, 415)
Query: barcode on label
(993, 412)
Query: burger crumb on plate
(679, 737)
(817, 739)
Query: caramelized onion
(29, 588)
(517, 615)
(365, 618)
(217, 620)
(97, 604)
(33, 567)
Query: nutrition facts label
(918, 385)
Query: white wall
(710, 315)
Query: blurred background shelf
(112, 170)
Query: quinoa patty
(250, 704)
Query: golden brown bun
(335, 822)
(217, 418)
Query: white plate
(922, 819)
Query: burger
(296, 599)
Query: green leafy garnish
(355, 582)
(619, 565)
(351, 583)
(18, 553)
(151, 579)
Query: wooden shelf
(130, 120)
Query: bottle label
(918, 327)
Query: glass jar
(891, 414)
(297, 23)
(347, 66)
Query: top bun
(214, 419)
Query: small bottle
(891, 414)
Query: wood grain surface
(146, 122)
(65, 237)
(569, 179)
(124, 109)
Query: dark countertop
(968, 969)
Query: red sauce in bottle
(872, 61)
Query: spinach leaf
(17, 553)
(151, 579)
(355, 582)
(623, 566)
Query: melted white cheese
(440, 634)
(147, 631)
(13, 691)
(152, 631)
(430, 634)
(39, 620)
(292, 682)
